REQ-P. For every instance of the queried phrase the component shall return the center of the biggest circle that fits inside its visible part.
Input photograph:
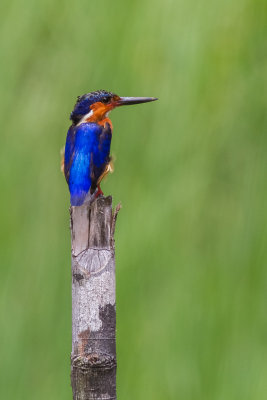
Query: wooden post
(93, 358)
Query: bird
(87, 150)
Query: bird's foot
(91, 197)
(99, 192)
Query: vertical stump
(93, 358)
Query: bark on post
(93, 358)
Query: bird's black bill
(125, 101)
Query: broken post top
(92, 225)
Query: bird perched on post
(87, 150)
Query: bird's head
(94, 106)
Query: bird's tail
(81, 198)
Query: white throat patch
(86, 117)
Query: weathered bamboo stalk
(93, 358)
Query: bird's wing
(80, 143)
(69, 151)
(100, 156)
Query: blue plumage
(86, 157)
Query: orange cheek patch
(99, 111)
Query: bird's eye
(105, 100)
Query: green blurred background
(190, 172)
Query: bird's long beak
(125, 101)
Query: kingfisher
(87, 151)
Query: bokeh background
(190, 172)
